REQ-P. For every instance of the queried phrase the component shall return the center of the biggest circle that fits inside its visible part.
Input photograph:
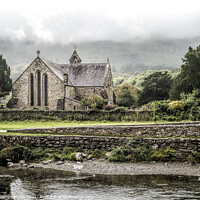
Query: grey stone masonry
(147, 130)
(182, 146)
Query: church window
(39, 88)
(32, 90)
(45, 90)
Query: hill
(132, 57)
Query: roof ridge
(74, 64)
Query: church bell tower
(75, 59)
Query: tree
(125, 97)
(94, 101)
(189, 77)
(181, 84)
(5, 80)
(155, 87)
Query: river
(51, 184)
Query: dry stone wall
(146, 130)
(183, 147)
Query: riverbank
(104, 167)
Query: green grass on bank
(7, 125)
(83, 134)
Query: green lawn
(6, 125)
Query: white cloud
(78, 20)
(19, 34)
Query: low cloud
(78, 21)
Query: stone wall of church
(21, 88)
(71, 104)
(70, 92)
(88, 91)
(109, 86)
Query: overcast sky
(71, 21)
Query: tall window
(45, 90)
(39, 88)
(32, 90)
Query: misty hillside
(134, 57)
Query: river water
(52, 184)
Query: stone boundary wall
(148, 130)
(14, 115)
(183, 147)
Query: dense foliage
(155, 87)
(126, 95)
(94, 102)
(141, 153)
(5, 80)
(189, 77)
(187, 108)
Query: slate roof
(81, 74)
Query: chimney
(66, 78)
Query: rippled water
(58, 185)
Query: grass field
(6, 125)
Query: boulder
(14, 166)
(30, 166)
(107, 154)
(59, 163)
(80, 156)
(22, 162)
(155, 147)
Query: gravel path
(104, 167)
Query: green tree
(125, 97)
(189, 77)
(5, 80)
(94, 101)
(181, 84)
(155, 87)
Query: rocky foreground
(104, 167)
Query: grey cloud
(79, 27)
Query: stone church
(48, 85)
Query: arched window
(45, 90)
(38, 88)
(32, 90)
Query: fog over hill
(135, 56)
(136, 36)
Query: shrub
(175, 105)
(131, 152)
(167, 154)
(37, 153)
(194, 113)
(70, 156)
(119, 154)
(94, 102)
(69, 153)
(125, 97)
(194, 157)
(16, 153)
(68, 150)
(55, 156)
(96, 153)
